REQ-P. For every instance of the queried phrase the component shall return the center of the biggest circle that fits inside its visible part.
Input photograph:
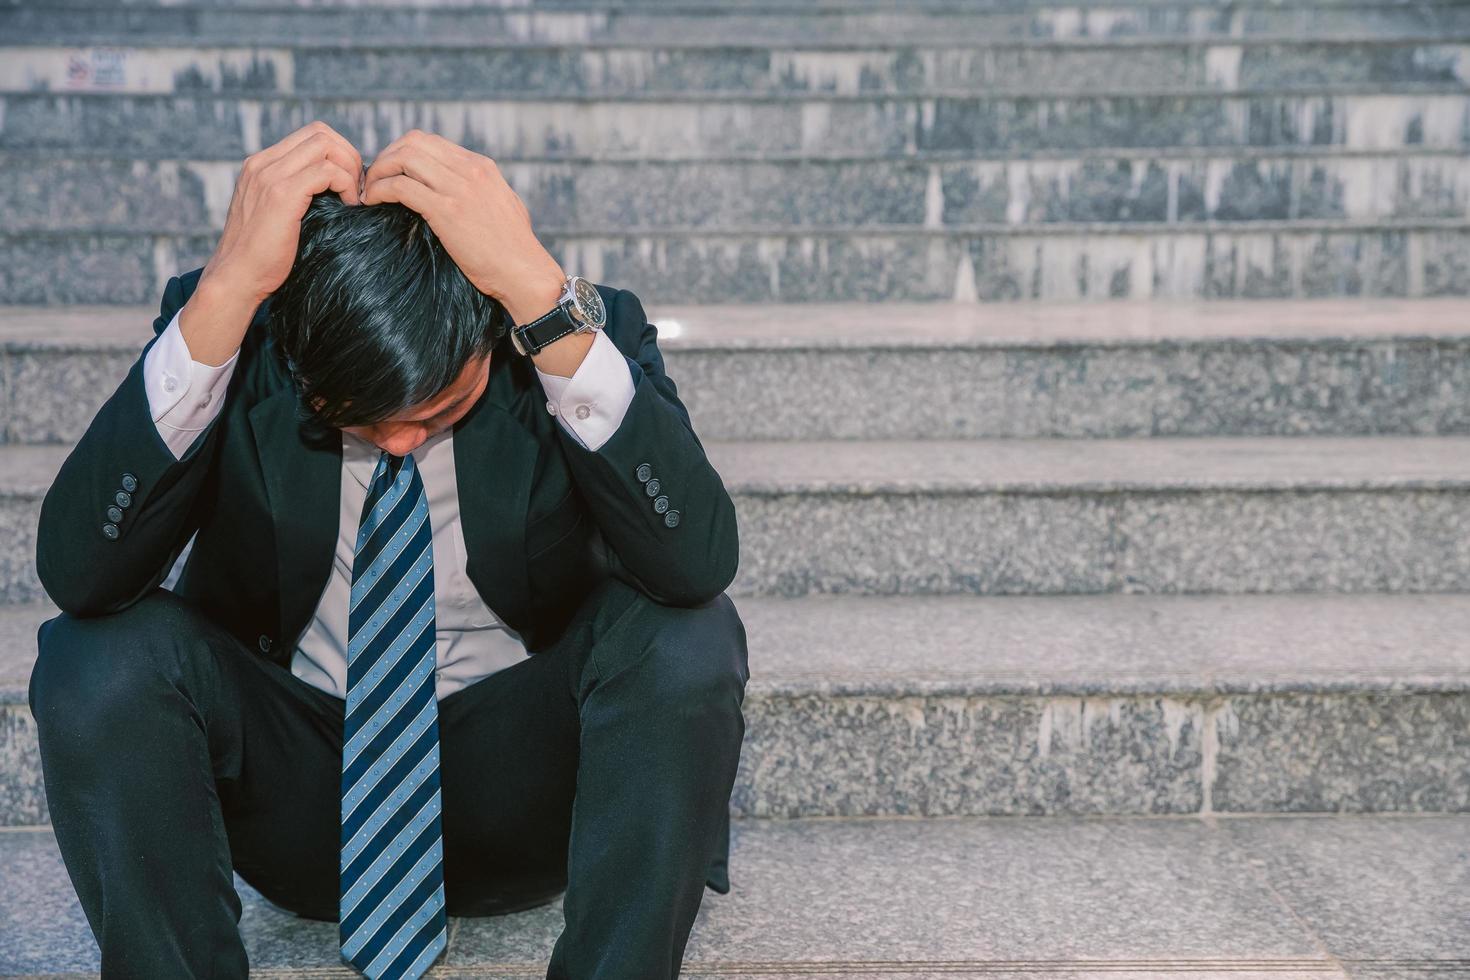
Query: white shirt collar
(360, 456)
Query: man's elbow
(69, 592)
(75, 589)
(717, 573)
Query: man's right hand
(262, 231)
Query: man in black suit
(339, 382)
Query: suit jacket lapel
(303, 483)
(495, 455)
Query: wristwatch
(579, 309)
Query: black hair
(375, 317)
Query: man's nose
(401, 444)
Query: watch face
(589, 301)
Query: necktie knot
(394, 463)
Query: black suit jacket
(544, 519)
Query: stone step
(1098, 704)
(987, 263)
(1068, 370)
(813, 24)
(467, 68)
(608, 8)
(1228, 514)
(1164, 515)
(1071, 370)
(1269, 898)
(54, 193)
(1358, 116)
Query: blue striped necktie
(392, 862)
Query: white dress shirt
(184, 396)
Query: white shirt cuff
(592, 402)
(184, 395)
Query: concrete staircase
(1119, 631)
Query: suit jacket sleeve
(692, 560)
(88, 563)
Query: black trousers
(602, 766)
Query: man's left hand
(484, 225)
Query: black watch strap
(552, 325)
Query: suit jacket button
(124, 499)
(660, 504)
(114, 513)
(110, 531)
(129, 482)
(265, 643)
(651, 487)
(644, 471)
(671, 519)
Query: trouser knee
(699, 659)
(95, 675)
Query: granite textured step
(851, 370)
(147, 126)
(966, 263)
(1050, 705)
(1163, 515)
(1056, 516)
(1175, 186)
(1254, 898)
(471, 67)
(813, 24)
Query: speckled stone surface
(1097, 645)
(1017, 543)
(1295, 542)
(821, 756)
(20, 513)
(969, 263)
(700, 125)
(47, 932)
(1225, 463)
(1133, 515)
(1053, 704)
(18, 625)
(1391, 887)
(595, 68)
(1015, 516)
(1090, 390)
(854, 23)
(1182, 186)
(95, 266)
(54, 395)
(1122, 369)
(45, 929)
(22, 790)
(1009, 897)
(1334, 896)
(1325, 752)
(956, 326)
(880, 898)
